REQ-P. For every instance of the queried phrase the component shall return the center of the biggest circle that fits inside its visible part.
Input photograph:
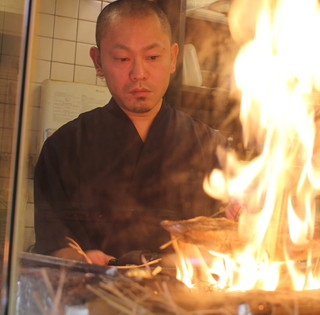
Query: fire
(278, 73)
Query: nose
(138, 70)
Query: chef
(108, 178)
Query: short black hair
(131, 8)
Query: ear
(95, 56)
(174, 55)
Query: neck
(143, 121)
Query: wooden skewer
(73, 244)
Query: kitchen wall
(64, 34)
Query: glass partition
(14, 55)
(45, 66)
(15, 50)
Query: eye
(153, 57)
(121, 59)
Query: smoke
(217, 101)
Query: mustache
(139, 88)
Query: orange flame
(278, 73)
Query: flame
(278, 73)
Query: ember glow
(278, 74)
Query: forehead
(134, 29)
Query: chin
(140, 110)
(140, 106)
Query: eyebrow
(124, 47)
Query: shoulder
(185, 118)
(197, 126)
(74, 133)
(91, 117)
(93, 120)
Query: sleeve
(50, 198)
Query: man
(108, 178)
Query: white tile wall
(82, 56)
(35, 97)
(34, 150)
(89, 10)
(28, 238)
(86, 32)
(44, 49)
(46, 22)
(30, 191)
(84, 74)
(67, 8)
(65, 28)
(29, 215)
(42, 72)
(63, 51)
(62, 71)
(66, 31)
(47, 6)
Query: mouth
(139, 92)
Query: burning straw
(128, 295)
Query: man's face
(136, 59)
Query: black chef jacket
(98, 183)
